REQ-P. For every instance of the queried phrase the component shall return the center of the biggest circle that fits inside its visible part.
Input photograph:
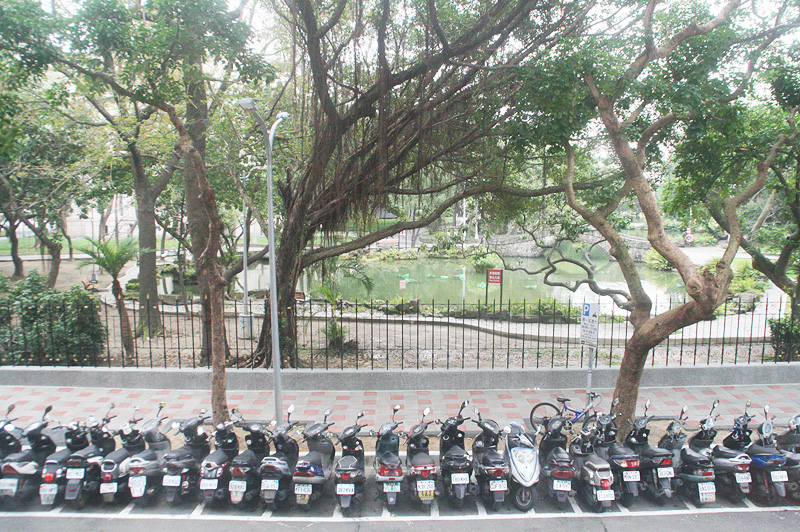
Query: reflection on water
(451, 279)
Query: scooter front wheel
(523, 498)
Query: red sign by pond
(494, 277)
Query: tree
(678, 67)
(112, 257)
(406, 107)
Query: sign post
(590, 319)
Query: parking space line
(127, 509)
(622, 509)
(434, 508)
(575, 508)
(386, 514)
(749, 503)
(481, 507)
(56, 510)
(266, 514)
(337, 512)
(689, 504)
(198, 509)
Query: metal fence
(435, 335)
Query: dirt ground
(70, 273)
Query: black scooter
(22, 471)
(182, 466)
(349, 470)
(387, 465)
(54, 480)
(421, 468)
(655, 463)
(215, 471)
(313, 470)
(488, 463)
(245, 483)
(276, 470)
(83, 467)
(623, 460)
(146, 473)
(789, 444)
(455, 461)
(9, 443)
(558, 467)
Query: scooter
(489, 465)
(215, 471)
(182, 466)
(245, 484)
(387, 465)
(595, 478)
(313, 470)
(83, 467)
(731, 467)
(116, 465)
(54, 480)
(623, 460)
(558, 467)
(523, 459)
(22, 471)
(655, 463)
(789, 444)
(9, 443)
(146, 473)
(455, 461)
(349, 470)
(276, 470)
(696, 475)
(420, 466)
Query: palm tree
(112, 257)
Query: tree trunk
(19, 267)
(150, 322)
(125, 332)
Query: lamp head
(248, 104)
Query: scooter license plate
(562, 485)
(137, 482)
(605, 495)
(208, 484)
(459, 478)
(237, 485)
(498, 485)
(171, 481)
(391, 487)
(631, 476)
(303, 489)
(8, 486)
(345, 489)
(706, 487)
(48, 489)
(270, 485)
(779, 476)
(75, 473)
(426, 495)
(743, 478)
(665, 472)
(708, 497)
(425, 485)
(108, 487)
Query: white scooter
(523, 457)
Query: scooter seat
(348, 462)
(149, 455)
(118, 456)
(455, 451)
(421, 459)
(720, 451)
(792, 459)
(390, 460)
(616, 449)
(690, 457)
(493, 458)
(180, 454)
(650, 451)
(247, 458)
(595, 462)
(59, 456)
(22, 456)
(558, 454)
(313, 457)
(86, 452)
(759, 450)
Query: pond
(441, 280)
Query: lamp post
(249, 105)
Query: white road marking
(481, 507)
(749, 503)
(127, 509)
(434, 509)
(56, 510)
(386, 514)
(689, 504)
(623, 509)
(198, 509)
(575, 507)
(337, 512)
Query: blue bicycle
(543, 412)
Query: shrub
(483, 263)
(785, 338)
(657, 262)
(43, 326)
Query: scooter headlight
(523, 455)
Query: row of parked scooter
(271, 471)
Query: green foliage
(110, 255)
(785, 339)
(654, 260)
(335, 334)
(482, 263)
(746, 279)
(41, 326)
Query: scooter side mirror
(477, 412)
(47, 410)
(716, 403)
(176, 425)
(646, 406)
(10, 408)
(747, 405)
(396, 408)
(766, 410)
(328, 412)
(506, 430)
(684, 410)
(426, 412)
(464, 405)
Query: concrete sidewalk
(71, 403)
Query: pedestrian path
(70, 403)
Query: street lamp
(249, 105)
